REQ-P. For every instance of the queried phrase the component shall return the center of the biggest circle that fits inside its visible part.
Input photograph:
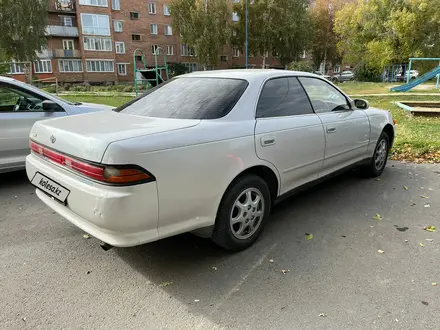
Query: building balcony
(62, 31)
(68, 53)
(45, 54)
(65, 6)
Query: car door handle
(267, 141)
(331, 130)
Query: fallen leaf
(429, 239)
(413, 204)
(430, 228)
(380, 251)
(425, 303)
(270, 260)
(285, 271)
(196, 300)
(427, 205)
(424, 196)
(322, 315)
(421, 244)
(377, 217)
(405, 187)
(309, 236)
(23, 319)
(164, 284)
(406, 241)
(214, 268)
(88, 272)
(434, 284)
(86, 236)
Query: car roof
(247, 74)
(7, 79)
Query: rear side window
(188, 98)
(283, 97)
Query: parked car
(413, 74)
(21, 105)
(343, 76)
(209, 152)
(319, 73)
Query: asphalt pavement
(51, 277)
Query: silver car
(21, 105)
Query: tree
(22, 26)
(279, 27)
(380, 32)
(323, 38)
(204, 25)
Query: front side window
(324, 97)
(283, 97)
(188, 98)
(95, 24)
(14, 99)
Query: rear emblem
(52, 139)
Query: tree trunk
(264, 60)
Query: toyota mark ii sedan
(208, 152)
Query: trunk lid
(87, 136)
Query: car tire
(240, 217)
(380, 157)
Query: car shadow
(189, 267)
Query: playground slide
(413, 83)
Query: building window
(116, 4)
(152, 8)
(138, 58)
(117, 25)
(223, 58)
(235, 1)
(16, 68)
(120, 47)
(122, 69)
(234, 17)
(98, 44)
(186, 51)
(170, 50)
(168, 30)
(99, 66)
(235, 52)
(166, 10)
(66, 21)
(136, 37)
(98, 3)
(153, 28)
(154, 49)
(95, 24)
(70, 66)
(43, 66)
(190, 67)
(336, 68)
(134, 15)
(68, 44)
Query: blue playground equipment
(149, 76)
(392, 71)
(429, 75)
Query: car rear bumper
(119, 216)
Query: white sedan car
(21, 105)
(207, 152)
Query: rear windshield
(188, 98)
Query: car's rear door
(347, 129)
(19, 110)
(288, 133)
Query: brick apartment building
(94, 40)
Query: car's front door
(288, 133)
(19, 110)
(347, 129)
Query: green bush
(128, 89)
(303, 66)
(362, 72)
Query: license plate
(50, 187)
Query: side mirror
(49, 105)
(361, 104)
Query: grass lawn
(417, 138)
(381, 88)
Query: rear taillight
(111, 174)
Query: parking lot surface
(51, 277)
